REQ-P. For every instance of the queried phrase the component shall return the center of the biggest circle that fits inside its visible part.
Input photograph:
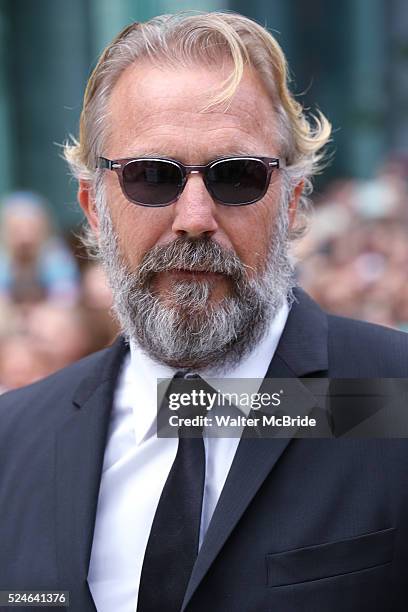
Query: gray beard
(183, 328)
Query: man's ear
(293, 204)
(86, 200)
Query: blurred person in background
(58, 333)
(50, 336)
(96, 304)
(354, 260)
(54, 313)
(35, 263)
(20, 362)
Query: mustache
(193, 255)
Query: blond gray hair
(184, 39)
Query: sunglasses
(232, 181)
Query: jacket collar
(106, 370)
(303, 344)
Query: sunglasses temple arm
(103, 163)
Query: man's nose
(195, 210)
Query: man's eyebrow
(146, 153)
(235, 152)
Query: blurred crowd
(54, 306)
(354, 259)
(55, 303)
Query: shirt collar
(141, 374)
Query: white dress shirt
(136, 465)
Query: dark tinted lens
(152, 182)
(237, 181)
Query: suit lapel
(80, 445)
(302, 351)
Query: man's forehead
(143, 80)
(162, 106)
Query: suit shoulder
(367, 349)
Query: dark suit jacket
(301, 525)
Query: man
(194, 162)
